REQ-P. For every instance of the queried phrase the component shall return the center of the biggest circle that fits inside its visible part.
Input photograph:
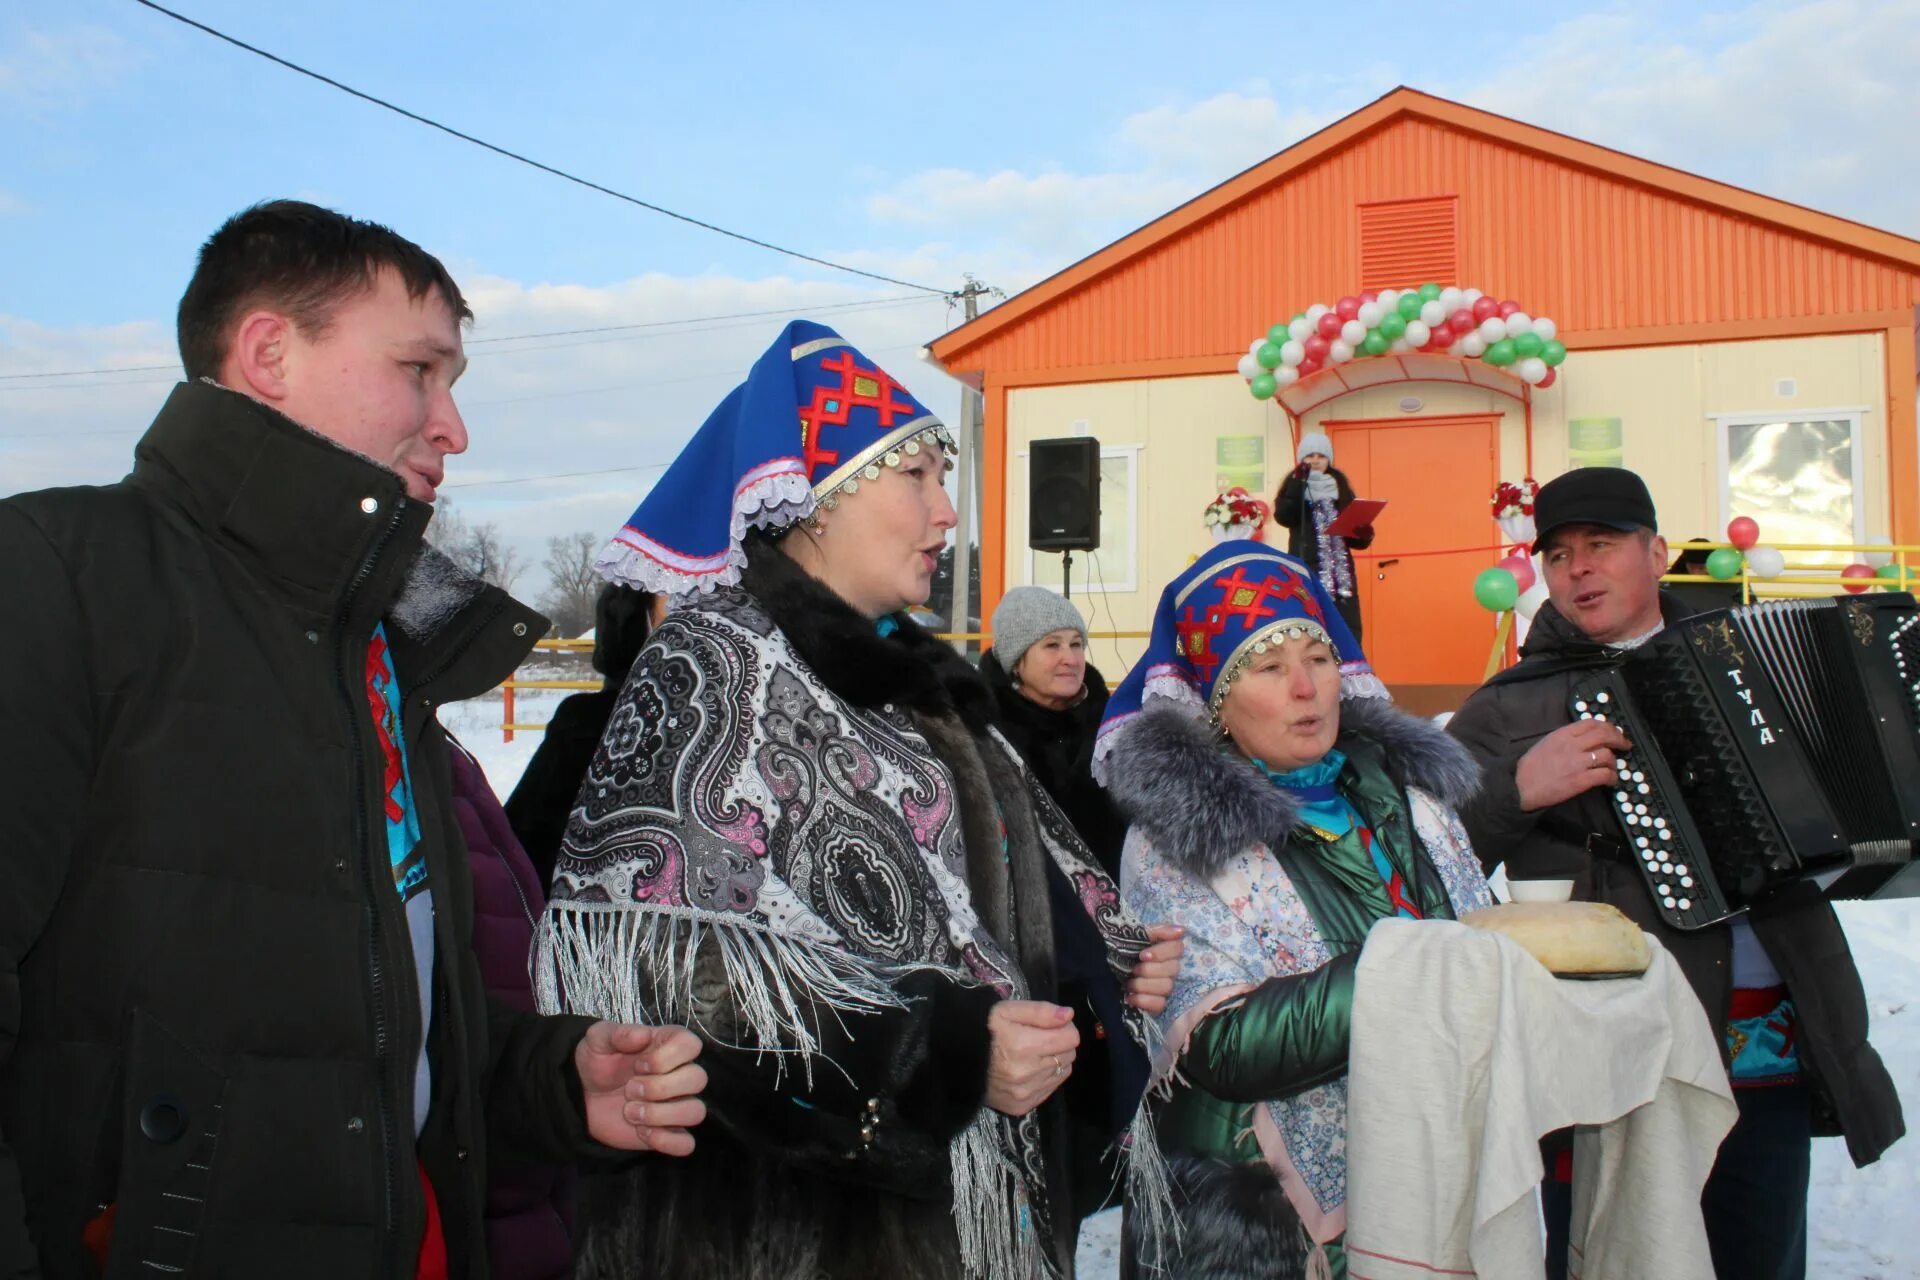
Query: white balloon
(1371, 314)
(1292, 353)
(1450, 299)
(1471, 296)
(1417, 333)
(1387, 298)
(1341, 351)
(1493, 328)
(1532, 598)
(1878, 558)
(1546, 328)
(1458, 349)
(1250, 368)
(1400, 346)
(1317, 310)
(1473, 346)
(1433, 314)
(1285, 376)
(1765, 562)
(1518, 323)
(1300, 330)
(1532, 370)
(1254, 349)
(1353, 333)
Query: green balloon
(1392, 325)
(1501, 354)
(1278, 334)
(1553, 351)
(1429, 292)
(1528, 345)
(1496, 589)
(1268, 355)
(1408, 306)
(1891, 572)
(1725, 563)
(1376, 342)
(1262, 385)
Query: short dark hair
(300, 259)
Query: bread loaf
(1572, 938)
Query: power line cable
(536, 164)
(868, 303)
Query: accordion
(1772, 743)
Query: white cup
(1540, 890)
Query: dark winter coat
(1578, 839)
(208, 1011)
(1291, 511)
(1058, 747)
(544, 796)
(529, 1211)
(1198, 805)
(783, 1181)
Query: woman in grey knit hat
(1307, 503)
(1049, 702)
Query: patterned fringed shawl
(737, 804)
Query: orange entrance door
(1424, 633)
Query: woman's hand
(1034, 1044)
(1157, 967)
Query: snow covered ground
(1864, 1223)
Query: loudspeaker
(1063, 500)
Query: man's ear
(258, 359)
(1658, 545)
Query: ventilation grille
(1405, 243)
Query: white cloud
(41, 69)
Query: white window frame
(1086, 581)
(1853, 415)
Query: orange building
(1746, 355)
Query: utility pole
(972, 477)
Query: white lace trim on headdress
(771, 496)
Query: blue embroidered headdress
(812, 421)
(1236, 601)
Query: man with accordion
(1760, 771)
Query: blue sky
(1005, 140)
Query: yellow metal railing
(1790, 581)
(508, 688)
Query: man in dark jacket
(242, 1031)
(1779, 985)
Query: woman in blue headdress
(921, 997)
(1280, 806)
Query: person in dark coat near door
(544, 796)
(1310, 500)
(242, 1031)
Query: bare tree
(477, 548)
(572, 583)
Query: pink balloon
(1857, 571)
(1462, 322)
(1485, 309)
(1522, 570)
(1312, 365)
(1347, 308)
(1507, 308)
(1743, 532)
(1547, 381)
(1318, 346)
(1330, 325)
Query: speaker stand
(1066, 574)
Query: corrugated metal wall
(1587, 248)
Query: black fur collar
(910, 667)
(1202, 803)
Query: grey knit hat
(1026, 615)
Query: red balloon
(1553, 375)
(1311, 365)
(1485, 309)
(1462, 322)
(1330, 325)
(1743, 532)
(1857, 571)
(1347, 308)
(1369, 295)
(1317, 346)
(1522, 570)
(1439, 340)
(1507, 308)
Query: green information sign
(1594, 442)
(1240, 461)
